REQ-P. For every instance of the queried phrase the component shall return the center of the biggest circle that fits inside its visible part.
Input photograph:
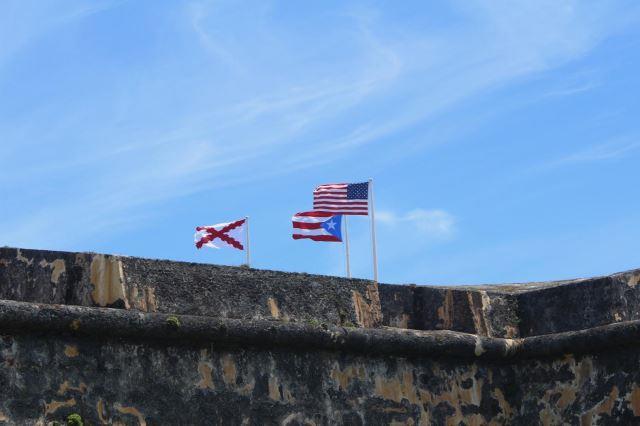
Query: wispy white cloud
(435, 223)
(255, 95)
(24, 21)
(610, 150)
(571, 90)
(198, 12)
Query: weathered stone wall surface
(580, 304)
(515, 310)
(122, 340)
(487, 313)
(45, 377)
(510, 311)
(89, 279)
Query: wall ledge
(104, 323)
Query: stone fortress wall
(122, 340)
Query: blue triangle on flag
(333, 225)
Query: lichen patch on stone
(273, 308)
(107, 278)
(131, 411)
(477, 308)
(401, 322)
(397, 388)
(274, 391)
(445, 312)
(633, 280)
(101, 409)
(297, 419)
(504, 405)
(23, 259)
(278, 391)
(150, 296)
(53, 406)
(205, 368)
(479, 350)
(511, 345)
(633, 397)
(367, 315)
(75, 325)
(71, 351)
(65, 387)
(229, 372)
(58, 267)
(344, 377)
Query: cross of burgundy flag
(229, 234)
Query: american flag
(343, 198)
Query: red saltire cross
(213, 233)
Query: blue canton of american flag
(343, 198)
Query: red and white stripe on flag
(230, 234)
(317, 226)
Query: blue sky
(503, 137)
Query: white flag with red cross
(230, 234)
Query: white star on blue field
(358, 191)
(334, 226)
(502, 137)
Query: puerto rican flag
(230, 234)
(317, 226)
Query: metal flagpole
(246, 223)
(373, 232)
(346, 245)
